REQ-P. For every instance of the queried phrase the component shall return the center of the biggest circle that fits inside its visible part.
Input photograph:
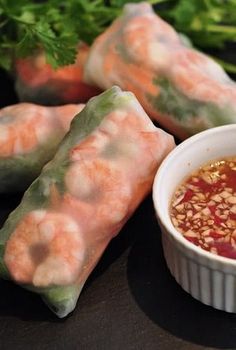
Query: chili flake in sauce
(203, 207)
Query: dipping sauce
(203, 207)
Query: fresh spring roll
(38, 82)
(29, 137)
(102, 170)
(182, 89)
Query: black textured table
(130, 301)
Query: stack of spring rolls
(102, 156)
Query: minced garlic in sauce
(203, 207)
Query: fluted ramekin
(207, 277)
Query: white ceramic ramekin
(207, 277)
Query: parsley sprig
(209, 23)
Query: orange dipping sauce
(203, 207)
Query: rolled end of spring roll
(102, 170)
(182, 89)
(29, 136)
(37, 82)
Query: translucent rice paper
(182, 89)
(29, 136)
(36, 81)
(101, 172)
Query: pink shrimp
(96, 174)
(201, 78)
(25, 127)
(79, 210)
(142, 53)
(64, 85)
(45, 249)
(121, 139)
(66, 113)
(150, 41)
(100, 183)
(146, 33)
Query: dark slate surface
(130, 301)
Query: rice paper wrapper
(37, 82)
(184, 90)
(101, 172)
(29, 137)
